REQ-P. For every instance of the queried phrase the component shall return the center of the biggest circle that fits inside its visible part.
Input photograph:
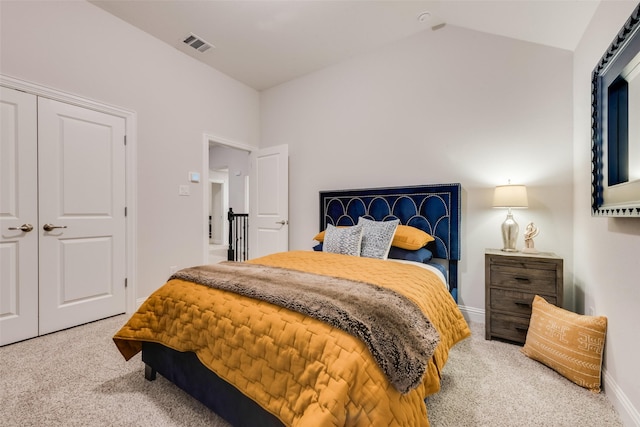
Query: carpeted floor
(77, 378)
(491, 383)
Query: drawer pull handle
(521, 329)
(523, 303)
(522, 279)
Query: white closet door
(18, 208)
(81, 215)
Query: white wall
(451, 105)
(78, 48)
(237, 161)
(606, 250)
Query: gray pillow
(344, 240)
(377, 237)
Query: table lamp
(510, 196)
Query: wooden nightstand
(512, 279)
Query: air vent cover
(197, 43)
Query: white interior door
(269, 207)
(81, 215)
(18, 208)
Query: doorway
(264, 173)
(227, 165)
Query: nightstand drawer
(514, 302)
(509, 327)
(537, 281)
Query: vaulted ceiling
(264, 43)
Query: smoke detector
(424, 16)
(197, 43)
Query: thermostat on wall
(194, 176)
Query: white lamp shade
(510, 196)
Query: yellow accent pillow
(319, 237)
(410, 238)
(569, 343)
(406, 237)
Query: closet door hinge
(125, 211)
(125, 282)
(125, 140)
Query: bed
(243, 339)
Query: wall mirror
(615, 125)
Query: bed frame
(432, 208)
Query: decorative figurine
(530, 232)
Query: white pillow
(377, 237)
(343, 240)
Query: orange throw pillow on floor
(569, 343)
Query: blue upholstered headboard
(434, 209)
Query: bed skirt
(186, 371)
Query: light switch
(183, 190)
(194, 176)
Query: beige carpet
(77, 378)
(491, 383)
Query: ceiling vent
(197, 43)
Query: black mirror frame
(619, 44)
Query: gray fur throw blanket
(396, 332)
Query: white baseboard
(472, 314)
(629, 414)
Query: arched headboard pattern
(434, 209)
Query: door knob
(49, 227)
(283, 222)
(24, 227)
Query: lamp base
(509, 233)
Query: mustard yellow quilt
(302, 370)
